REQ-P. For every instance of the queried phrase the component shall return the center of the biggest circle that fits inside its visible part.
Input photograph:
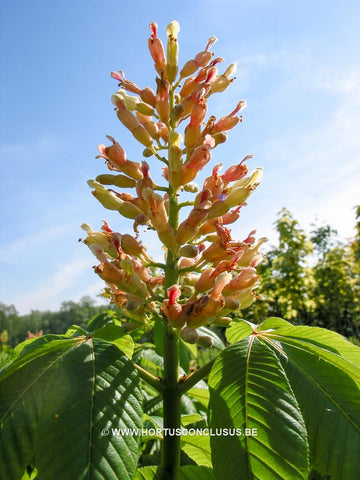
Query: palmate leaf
(324, 372)
(249, 390)
(55, 401)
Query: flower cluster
(206, 274)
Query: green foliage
(293, 393)
(183, 473)
(336, 285)
(57, 400)
(311, 280)
(249, 393)
(300, 387)
(19, 326)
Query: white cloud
(54, 289)
(37, 240)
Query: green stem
(150, 379)
(170, 458)
(185, 384)
(171, 395)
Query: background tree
(335, 292)
(285, 276)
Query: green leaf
(239, 330)
(152, 362)
(101, 319)
(75, 331)
(29, 476)
(201, 395)
(249, 390)
(188, 472)
(116, 335)
(324, 339)
(152, 404)
(36, 347)
(189, 419)
(274, 322)
(324, 372)
(55, 403)
(190, 347)
(197, 447)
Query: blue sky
(298, 69)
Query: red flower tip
(153, 29)
(210, 43)
(106, 227)
(116, 76)
(174, 293)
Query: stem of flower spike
(170, 458)
(171, 395)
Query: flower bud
(147, 122)
(189, 251)
(189, 279)
(147, 152)
(172, 51)
(145, 109)
(247, 278)
(185, 262)
(118, 180)
(198, 112)
(222, 205)
(220, 138)
(222, 321)
(130, 101)
(199, 158)
(162, 99)
(191, 187)
(112, 202)
(157, 50)
(203, 310)
(189, 335)
(175, 165)
(142, 136)
(206, 281)
(167, 237)
(148, 96)
(244, 298)
(192, 135)
(164, 131)
(236, 172)
(188, 87)
(116, 159)
(109, 273)
(131, 246)
(231, 304)
(189, 68)
(221, 82)
(177, 112)
(205, 341)
(228, 122)
(124, 83)
(203, 58)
